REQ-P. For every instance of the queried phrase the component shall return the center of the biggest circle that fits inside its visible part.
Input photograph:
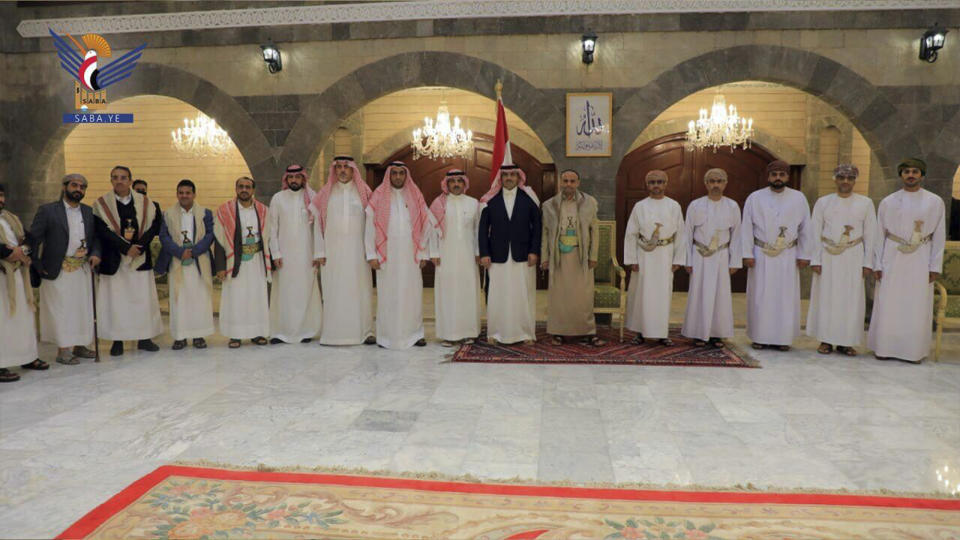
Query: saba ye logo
(83, 61)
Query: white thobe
(346, 277)
(128, 307)
(837, 298)
(66, 303)
(512, 299)
(399, 281)
(191, 307)
(903, 302)
(456, 283)
(295, 306)
(773, 284)
(709, 299)
(18, 334)
(651, 289)
(244, 310)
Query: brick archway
(322, 114)
(40, 153)
(889, 131)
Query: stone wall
(863, 65)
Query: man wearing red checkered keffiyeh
(345, 278)
(399, 226)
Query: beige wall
(144, 146)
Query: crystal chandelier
(201, 137)
(724, 127)
(440, 140)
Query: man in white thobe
(295, 306)
(844, 229)
(454, 252)
(909, 258)
(65, 249)
(399, 226)
(186, 237)
(243, 264)
(127, 304)
(18, 332)
(654, 248)
(509, 236)
(713, 255)
(344, 274)
(774, 243)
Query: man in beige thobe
(569, 249)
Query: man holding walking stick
(64, 252)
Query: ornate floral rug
(204, 503)
(682, 353)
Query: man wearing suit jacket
(128, 307)
(64, 251)
(186, 235)
(509, 241)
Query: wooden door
(428, 173)
(746, 170)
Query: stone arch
(323, 113)
(43, 149)
(878, 119)
(771, 142)
(478, 125)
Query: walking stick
(96, 337)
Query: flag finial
(498, 87)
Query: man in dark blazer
(509, 241)
(64, 250)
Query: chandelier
(440, 140)
(201, 137)
(724, 127)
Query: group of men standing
(843, 242)
(345, 229)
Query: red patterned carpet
(202, 503)
(682, 353)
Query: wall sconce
(271, 55)
(931, 42)
(589, 43)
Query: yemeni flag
(501, 142)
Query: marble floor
(75, 435)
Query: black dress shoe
(199, 343)
(420, 343)
(116, 349)
(306, 340)
(371, 340)
(147, 345)
(179, 344)
(274, 341)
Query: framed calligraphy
(588, 124)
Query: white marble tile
(75, 435)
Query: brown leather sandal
(826, 348)
(234, 344)
(849, 351)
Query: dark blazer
(171, 250)
(115, 246)
(49, 236)
(518, 235)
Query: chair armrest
(619, 271)
(942, 302)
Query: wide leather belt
(908, 247)
(72, 264)
(252, 249)
(836, 248)
(705, 251)
(772, 250)
(648, 245)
